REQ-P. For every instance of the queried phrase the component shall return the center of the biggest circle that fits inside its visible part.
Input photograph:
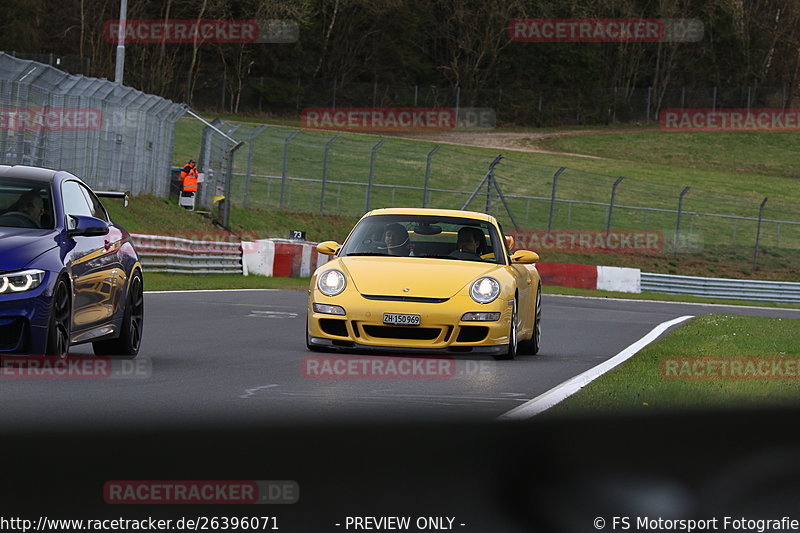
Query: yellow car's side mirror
(328, 247)
(524, 257)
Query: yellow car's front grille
(333, 326)
(472, 333)
(402, 332)
(419, 299)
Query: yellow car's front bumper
(440, 330)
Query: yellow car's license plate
(400, 320)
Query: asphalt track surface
(224, 397)
(237, 357)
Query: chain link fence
(111, 136)
(324, 173)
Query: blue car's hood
(20, 246)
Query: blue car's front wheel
(130, 337)
(60, 320)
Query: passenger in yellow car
(470, 245)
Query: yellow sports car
(429, 280)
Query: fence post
(226, 206)
(205, 161)
(758, 233)
(426, 200)
(678, 226)
(611, 204)
(714, 99)
(373, 156)
(285, 166)
(251, 141)
(325, 172)
(488, 209)
(553, 198)
(485, 179)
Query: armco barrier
(738, 289)
(286, 258)
(184, 256)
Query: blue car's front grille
(10, 331)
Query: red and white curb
(604, 278)
(282, 258)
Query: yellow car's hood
(412, 276)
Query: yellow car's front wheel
(512, 335)
(531, 346)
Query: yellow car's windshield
(452, 238)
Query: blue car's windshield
(25, 203)
(440, 237)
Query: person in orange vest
(189, 178)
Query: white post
(120, 64)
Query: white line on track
(573, 385)
(207, 290)
(607, 299)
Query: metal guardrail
(737, 289)
(185, 256)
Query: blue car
(68, 274)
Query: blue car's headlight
(24, 280)
(331, 282)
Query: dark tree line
(447, 43)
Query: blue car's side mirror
(81, 225)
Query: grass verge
(657, 378)
(158, 281)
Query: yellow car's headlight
(24, 280)
(484, 290)
(331, 282)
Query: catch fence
(111, 136)
(324, 173)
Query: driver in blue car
(27, 213)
